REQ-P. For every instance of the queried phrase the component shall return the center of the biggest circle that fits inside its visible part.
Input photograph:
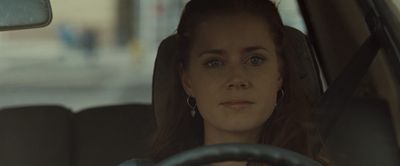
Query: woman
(236, 85)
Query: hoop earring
(280, 97)
(192, 107)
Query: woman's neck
(213, 135)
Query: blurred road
(49, 74)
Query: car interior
(363, 130)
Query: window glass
(90, 55)
(291, 15)
(95, 52)
(396, 6)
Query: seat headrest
(297, 46)
(165, 74)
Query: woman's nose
(239, 84)
(238, 79)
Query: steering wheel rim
(238, 152)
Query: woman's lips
(236, 104)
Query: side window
(291, 15)
(396, 6)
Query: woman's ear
(185, 80)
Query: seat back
(165, 75)
(298, 47)
(35, 136)
(105, 136)
(364, 135)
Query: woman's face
(233, 72)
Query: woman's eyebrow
(212, 51)
(254, 48)
(221, 52)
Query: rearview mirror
(23, 14)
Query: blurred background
(94, 53)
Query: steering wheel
(238, 152)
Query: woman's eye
(256, 60)
(214, 63)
